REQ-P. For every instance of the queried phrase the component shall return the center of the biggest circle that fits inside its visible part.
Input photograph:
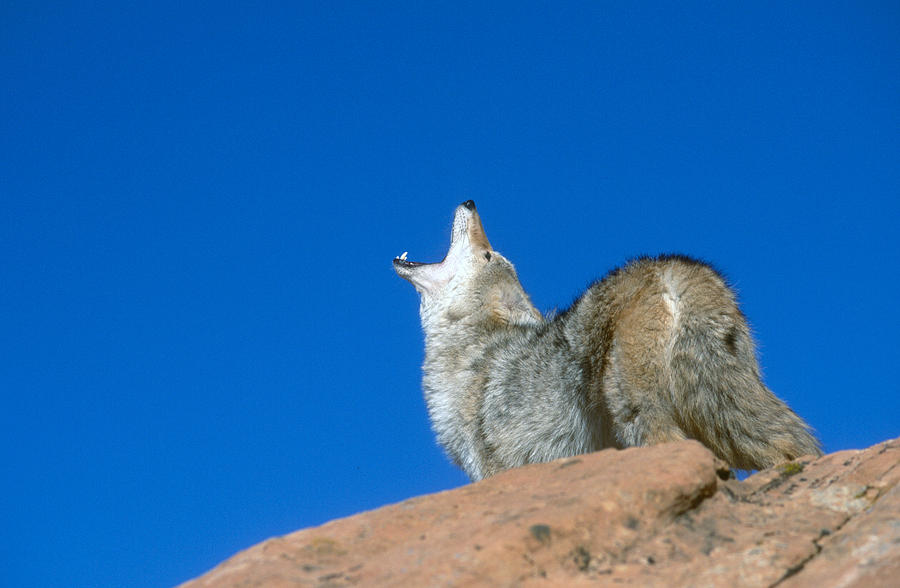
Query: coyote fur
(656, 351)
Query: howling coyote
(655, 351)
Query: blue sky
(204, 344)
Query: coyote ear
(511, 307)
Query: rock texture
(656, 516)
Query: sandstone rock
(654, 516)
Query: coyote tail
(719, 397)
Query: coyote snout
(657, 350)
(467, 239)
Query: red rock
(653, 516)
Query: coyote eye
(487, 255)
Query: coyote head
(473, 283)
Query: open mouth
(401, 261)
(458, 233)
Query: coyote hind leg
(639, 413)
(650, 427)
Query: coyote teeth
(403, 256)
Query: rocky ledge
(653, 516)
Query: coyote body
(656, 351)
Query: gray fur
(656, 351)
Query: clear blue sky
(203, 342)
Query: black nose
(470, 204)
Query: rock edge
(665, 515)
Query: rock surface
(651, 516)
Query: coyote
(655, 351)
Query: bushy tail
(720, 399)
